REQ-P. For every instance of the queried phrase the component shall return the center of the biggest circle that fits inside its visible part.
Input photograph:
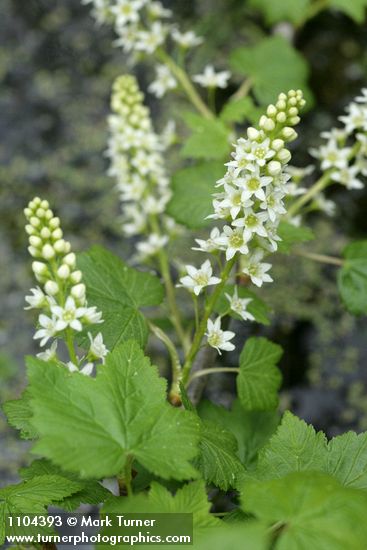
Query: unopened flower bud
(27, 212)
(35, 221)
(294, 120)
(78, 291)
(51, 288)
(59, 246)
(284, 156)
(293, 111)
(48, 214)
(64, 271)
(40, 213)
(281, 117)
(274, 168)
(35, 241)
(45, 233)
(48, 252)
(45, 205)
(70, 259)
(30, 230)
(252, 133)
(76, 277)
(271, 111)
(281, 105)
(34, 252)
(39, 268)
(289, 134)
(54, 222)
(57, 233)
(277, 144)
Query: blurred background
(56, 71)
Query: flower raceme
(137, 164)
(345, 151)
(250, 204)
(61, 296)
(143, 27)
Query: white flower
(218, 338)
(69, 315)
(325, 205)
(152, 245)
(92, 316)
(156, 9)
(210, 244)
(233, 240)
(239, 305)
(186, 39)
(86, 370)
(273, 204)
(356, 118)
(211, 79)
(253, 223)
(255, 185)
(234, 199)
(164, 81)
(362, 98)
(50, 353)
(97, 348)
(250, 151)
(149, 41)
(126, 11)
(36, 301)
(197, 279)
(347, 177)
(48, 329)
(256, 270)
(331, 155)
(168, 135)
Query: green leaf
(252, 536)
(218, 461)
(121, 413)
(91, 491)
(191, 499)
(209, 140)
(192, 198)
(18, 413)
(347, 459)
(252, 429)
(356, 9)
(310, 510)
(257, 307)
(259, 379)
(294, 11)
(291, 235)
(295, 447)
(239, 110)
(273, 66)
(119, 292)
(32, 497)
(352, 278)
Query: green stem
(186, 84)
(174, 394)
(322, 258)
(243, 90)
(202, 327)
(69, 340)
(213, 370)
(128, 475)
(170, 291)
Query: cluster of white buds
(61, 294)
(344, 154)
(137, 164)
(143, 27)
